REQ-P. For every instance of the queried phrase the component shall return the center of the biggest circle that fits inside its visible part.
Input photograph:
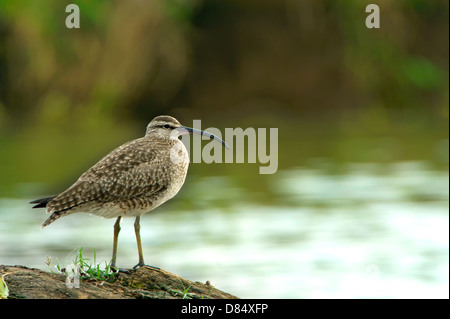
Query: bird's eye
(166, 126)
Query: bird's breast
(179, 163)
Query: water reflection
(374, 231)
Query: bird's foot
(121, 270)
(139, 265)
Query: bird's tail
(54, 216)
(42, 202)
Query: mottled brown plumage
(131, 180)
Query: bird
(131, 180)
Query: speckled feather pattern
(130, 181)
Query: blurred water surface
(375, 230)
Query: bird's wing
(125, 173)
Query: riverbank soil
(145, 282)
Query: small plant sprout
(85, 268)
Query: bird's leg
(116, 237)
(137, 230)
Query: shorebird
(133, 179)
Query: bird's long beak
(183, 130)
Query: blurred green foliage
(334, 88)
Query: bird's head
(167, 127)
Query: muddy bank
(30, 283)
